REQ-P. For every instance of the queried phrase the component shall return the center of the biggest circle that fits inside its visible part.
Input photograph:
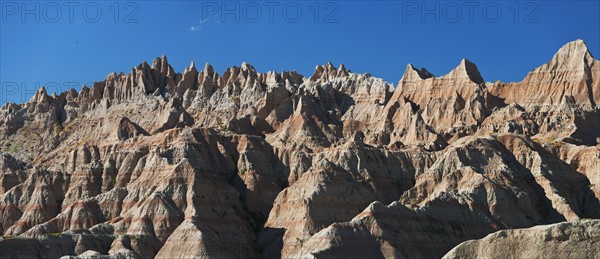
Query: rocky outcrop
(476, 187)
(126, 129)
(439, 110)
(568, 239)
(570, 77)
(244, 164)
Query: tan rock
(568, 239)
(244, 164)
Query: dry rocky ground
(154, 163)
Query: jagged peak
(330, 65)
(162, 64)
(208, 69)
(577, 46)
(247, 67)
(143, 66)
(191, 68)
(40, 95)
(42, 90)
(72, 93)
(243, 70)
(112, 74)
(574, 55)
(272, 73)
(465, 70)
(157, 62)
(411, 73)
(327, 67)
(164, 59)
(329, 71)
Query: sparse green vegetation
(57, 234)
(243, 168)
(13, 148)
(360, 179)
(300, 241)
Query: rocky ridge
(561, 240)
(243, 164)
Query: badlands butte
(159, 164)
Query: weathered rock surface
(575, 239)
(570, 77)
(243, 164)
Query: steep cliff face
(244, 164)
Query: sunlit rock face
(244, 164)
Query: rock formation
(243, 164)
(568, 239)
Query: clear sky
(73, 43)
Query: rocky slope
(575, 239)
(155, 163)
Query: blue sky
(506, 39)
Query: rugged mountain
(562, 95)
(571, 77)
(244, 164)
